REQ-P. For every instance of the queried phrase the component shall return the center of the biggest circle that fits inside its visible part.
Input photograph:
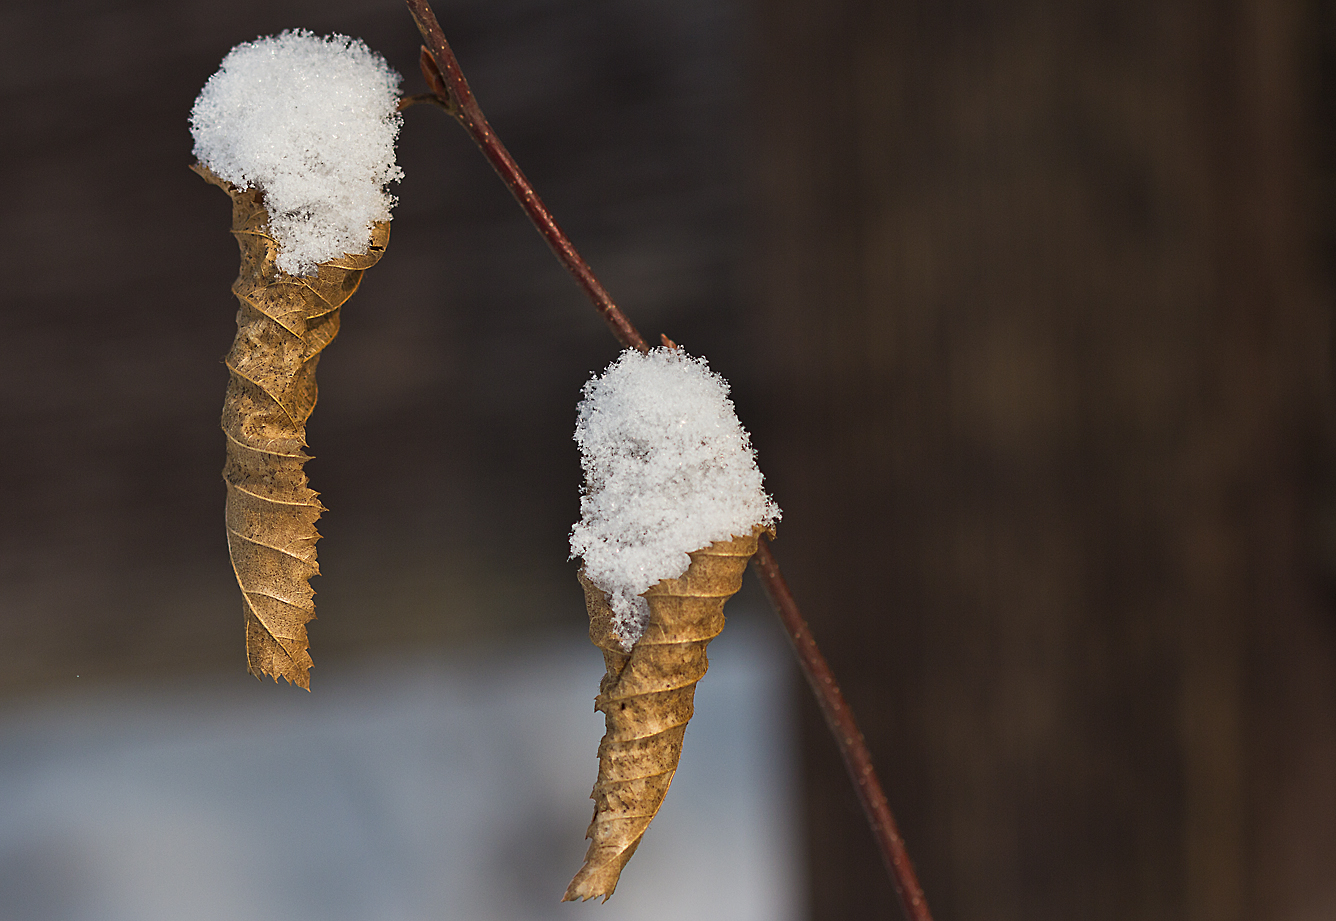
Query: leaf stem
(442, 73)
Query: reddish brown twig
(853, 749)
(443, 75)
(447, 81)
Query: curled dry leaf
(646, 698)
(282, 325)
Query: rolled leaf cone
(283, 323)
(647, 698)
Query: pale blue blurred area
(453, 786)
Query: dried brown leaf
(282, 325)
(647, 698)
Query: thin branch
(447, 80)
(840, 720)
(443, 75)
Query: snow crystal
(668, 470)
(311, 122)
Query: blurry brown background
(1028, 306)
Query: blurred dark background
(1027, 305)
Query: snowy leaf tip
(312, 123)
(668, 470)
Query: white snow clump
(668, 470)
(311, 122)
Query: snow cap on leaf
(311, 122)
(668, 470)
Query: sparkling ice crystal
(311, 122)
(668, 470)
